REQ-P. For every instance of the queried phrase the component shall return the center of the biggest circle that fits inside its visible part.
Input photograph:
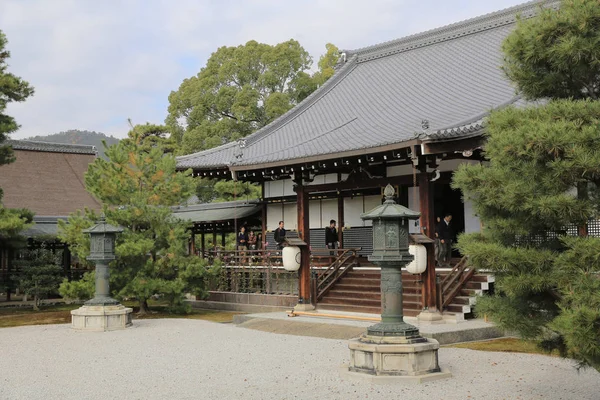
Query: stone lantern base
(99, 318)
(394, 359)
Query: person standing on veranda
(446, 235)
(331, 236)
(242, 243)
(280, 236)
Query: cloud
(96, 63)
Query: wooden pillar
(214, 238)
(223, 238)
(263, 212)
(67, 262)
(341, 222)
(193, 244)
(203, 245)
(427, 223)
(304, 234)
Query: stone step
(363, 309)
(357, 287)
(458, 308)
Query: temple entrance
(448, 200)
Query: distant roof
(52, 147)
(449, 77)
(213, 212)
(43, 226)
(48, 178)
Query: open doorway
(448, 200)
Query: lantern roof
(102, 227)
(390, 209)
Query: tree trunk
(36, 303)
(144, 309)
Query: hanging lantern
(419, 264)
(291, 258)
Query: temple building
(48, 179)
(407, 112)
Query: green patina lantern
(103, 237)
(390, 252)
(390, 229)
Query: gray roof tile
(450, 76)
(52, 147)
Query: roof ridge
(36, 145)
(206, 151)
(304, 104)
(451, 31)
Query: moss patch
(510, 345)
(22, 316)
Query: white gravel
(191, 359)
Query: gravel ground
(192, 359)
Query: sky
(94, 64)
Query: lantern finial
(389, 192)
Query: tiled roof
(450, 77)
(49, 183)
(52, 147)
(211, 212)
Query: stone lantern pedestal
(102, 313)
(392, 350)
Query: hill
(75, 136)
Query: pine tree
(39, 274)
(541, 187)
(138, 185)
(12, 89)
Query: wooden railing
(324, 280)
(454, 282)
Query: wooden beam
(427, 224)
(366, 184)
(304, 234)
(452, 146)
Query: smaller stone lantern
(102, 313)
(393, 349)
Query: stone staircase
(359, 291)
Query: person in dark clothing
(445, 233)
(331, 236)
(437, 244)
(242, 243)
(280, 236)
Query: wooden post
(67, 262)
(214, 240)
(223, 238)
(203, 245)
(304, 234)
(427, 223)
(193, 243)
(341, 223)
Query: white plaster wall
(472, 222)
(274, 215)
(400, 170)
(314, 214)
(352, 210)
(288, 187)
(452, 165)
(369, 203)
(329, 211)
(290, 216)
(413, 204)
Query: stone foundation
(395, 357)
(101, 318)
